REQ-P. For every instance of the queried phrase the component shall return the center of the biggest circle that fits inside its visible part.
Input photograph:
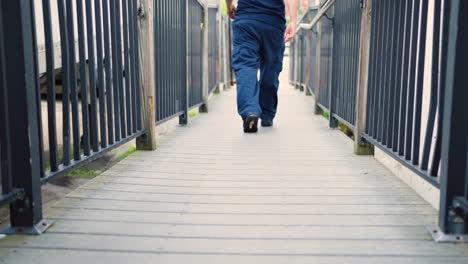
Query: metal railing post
(147, 75)
(361, 146)
(307, 59)
(183, 119)
(332, 122)
(317, 109)
(205, 65)
(23, 112)
(219, 55)
(453, 213)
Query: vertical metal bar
(391, 88)
(170, 89)
(421, 59)
(158, 58)
(336, 67)
(5, 138)
(397, 72)
(404, 79)
(108, 70)
(378, 66)
(444, 36)
(100, 72)
(23, 105)
(119, 77)
(333, 123)
(349, 27)
(179, 85)
(72, 92)
(354, 60)
(190, 21)
(164, 85)
(185, 46)
(371, 120)
(132, 21)
(455, 141)
(115, 69)
(51, 104)
(138, 88)
(347, 31)
(128, 94)
(83, 77)
(385, 74)
(92, 76)
(356, 43)
(434, 87)
(411, 82)
(67, 83)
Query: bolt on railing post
(205, 67)
(361, 146)
(19, 55)
(147, 74)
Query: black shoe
(267, 123)
(251, 123)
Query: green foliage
(193, 113)
(84, 173)
(346, 130)
(326, 115)
(224, 8)
(130, 151)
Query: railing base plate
(441, 237)
(38, 229)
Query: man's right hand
(232, 11)
(290, 32)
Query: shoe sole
(251, 124)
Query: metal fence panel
(396, 73)
(87, 106)
(346, 32)
(195, 50)
(171, 58)
(326, 52)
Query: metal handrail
(321, 12)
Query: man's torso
(268, 11)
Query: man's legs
(246, 62)
(271, 66)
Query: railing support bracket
(441, 237)
(37, 229)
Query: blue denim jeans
(257, 47)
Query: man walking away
(260, 34)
